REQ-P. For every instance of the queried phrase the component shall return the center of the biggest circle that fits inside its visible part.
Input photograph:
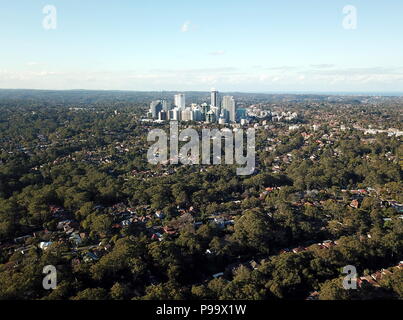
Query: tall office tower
(225, 115)
(205, 108)
(166, 106)
(228, 103)
(197, 115)
(215, 98)
(180, 101)
(155, 108)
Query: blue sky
(253, 45)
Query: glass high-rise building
(228, 103)
(155, 108)
(215, 99)
(166, 106)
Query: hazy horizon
(291, 92)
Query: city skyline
(221, 111)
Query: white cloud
(217, 53)
(224, 78)
(322, 66)
(264, 77)
(185, 27)
(282, 68)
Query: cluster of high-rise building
(220, 111)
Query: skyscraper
(166, 106)
(205, 108)
(225, 115)
(180, 101)
(215, 101)
(197, 115)
(228, 103)
(155, 108)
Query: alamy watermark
(350, 21)
(50, 280)
(350, 281)
(189, 153)
(49, 22)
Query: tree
(394, 282)
(252, 231)
(118, 291)
(333, 290)
(92, 294)
(100, 224)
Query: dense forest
(77, 192)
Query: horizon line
(293, 92)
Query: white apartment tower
(180, 101)
(228, 103)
